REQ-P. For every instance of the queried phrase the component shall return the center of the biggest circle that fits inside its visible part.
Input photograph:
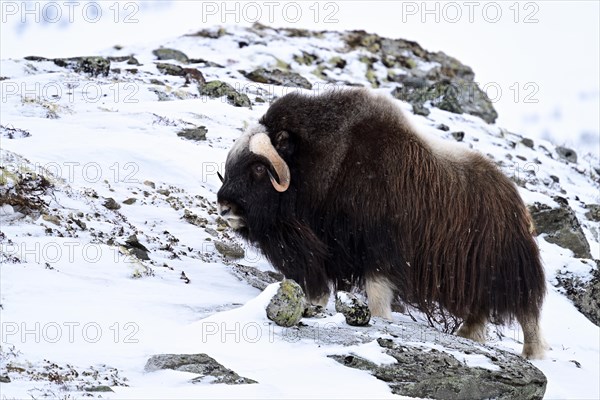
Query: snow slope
(79, 300)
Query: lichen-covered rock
(171, 54)
(288, 304)
(561, 227)
(584, 294)
(255, 277)
(454, 96)
(432, 374)
(201, 364)
(190, 74)
(94, 66)
(278, 77)
(197, 134)
(101, 388)
(355, 311)
(216, 89)
(230, 250)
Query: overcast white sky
(543, 56)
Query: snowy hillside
(112, 250)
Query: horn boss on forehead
(378, 205)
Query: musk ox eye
(259, 170)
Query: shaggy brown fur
(372, 199)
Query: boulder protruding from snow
(202, 364)
(288, 304)
(467, 372)
(355, 310)
(561, 227)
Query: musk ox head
(256, 175)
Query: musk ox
(340, 190)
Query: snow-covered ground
(80, 301)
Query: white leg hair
(320, 301)
(474, 330)
(534, 345)
(380, 293)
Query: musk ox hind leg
(380, 294)
(473, 328)
(534, 345)
(320, 300)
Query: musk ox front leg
(380, 293)
(473, 328)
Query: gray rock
(594, 212)
(355, 311)
(129, 201)
(433, 374)
(567, 154)
(10, 132)
(457, 96)
(170, 69)
(443, 127)
(584, 294)
(230, 250)
(111, 204)
(278, 77)
(458, 136)
(561, 227)
(255, 277)
(312, 311)
(171, 54)
(94, 66)
(200, 364)
(194, 219)
(190, 74)
(4, 379)
(98, 389)
(136, 248)
(288, 304)
(420, 109)
(216, 89)
(527, 142)
(197, 134)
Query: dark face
(247, 199)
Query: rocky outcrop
(449, 86)
(561, 226)
(216, 89)
(584, 294)
(278, 77)
(255, 277)
(207, 368)
(446, 373)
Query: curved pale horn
(261, 144)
